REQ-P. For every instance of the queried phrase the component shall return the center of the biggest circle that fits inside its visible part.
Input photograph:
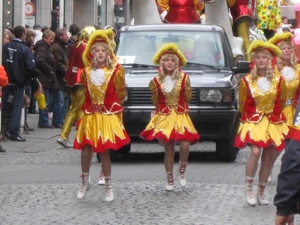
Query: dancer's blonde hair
(270, 69)
(109, 61)
(176, 72)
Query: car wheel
(225, 150)
(114, 155)
(125, 149)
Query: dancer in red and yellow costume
(263, 126)
(100, 126)
(170, 124)
(180, 11)
(73, 81)
(242, 19)
(289, 68)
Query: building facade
(59, 12)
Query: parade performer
(242, 19)
(100, 126)
(262, 125)
(289, 68)
(180, 11)
(268, 16)
(73, 81)
(170, 124)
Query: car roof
(172, 27)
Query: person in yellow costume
(268, 16)
(100, 127)
(289, 68)
(171, 124)
(73, 81)
(242, 18)
(263, 126)
(180, 11)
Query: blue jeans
(54, 103)
(17, 92)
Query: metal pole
(53, 16)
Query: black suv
(212, 70)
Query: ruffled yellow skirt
(262, 134)
(100, 131)
(173, 127)
(289, 113)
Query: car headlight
(203, 95)
(211, 95)
(214, 95)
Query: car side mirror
(242, 67)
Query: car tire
(114, 155)
(125, 149)
(225, 150)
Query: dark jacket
(60, 53)
(18, 62)
(46, 63)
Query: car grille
(142, 97)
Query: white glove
(163, 15)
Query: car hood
(210, 78)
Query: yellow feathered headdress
(97, 36)
(260, 45)
(169, 49)
(86, 32)
(111, 35)
(277, 38)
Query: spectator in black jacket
(46, 63)
(287, 198)
(19, 63)
(60, 52)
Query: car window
(198, 47)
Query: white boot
(260, 194)
(109, 191)
(101, 179)
(85, 185)
(251, 200)
(170, 181)
(181, 171)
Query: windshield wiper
(139, 65)
(200, 64)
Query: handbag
(40, 97)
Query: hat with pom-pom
(99, 36)
(169, 48)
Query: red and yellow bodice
(181, 11)
(260, 97)
(105, 90)
(177, 97)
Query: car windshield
(202, 48)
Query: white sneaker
(170, 182)
(181, 171)
(109, 195)
(85, 185)
(101, 179)
(65, 143)
(182, 181)
(169, 187)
